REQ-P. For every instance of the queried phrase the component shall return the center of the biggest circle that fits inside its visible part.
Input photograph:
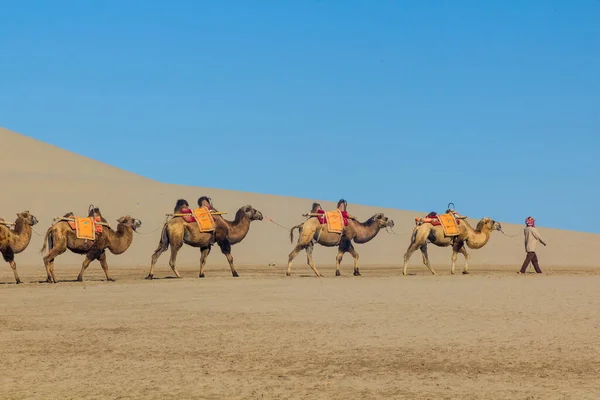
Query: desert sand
(492, 334)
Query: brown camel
(312, 231)
(178, 232)
(473, 238)
(61, 237)
(14, 241)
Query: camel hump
(180, 204)
(315, 208)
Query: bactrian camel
(178, 232)
(61, 237)
(312, 231)
(473, 238)
(15, 240)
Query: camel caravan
(204, 226)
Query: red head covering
(530, 222)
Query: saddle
(85, 227)
(336, 220)
(449, 221)
(201, 215)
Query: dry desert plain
(491, 334)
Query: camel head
(130, 222)
(29, 219)
(490, 224)
(383, 221)
(252, 214)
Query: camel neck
(21, 226)
(238, 228)
(366, 231)
(119, 241)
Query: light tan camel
(14, 241)
(473, 238)
(178, 232)
(312, 231)
(61, 237)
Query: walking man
(532, 236)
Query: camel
(61, 237)
(312, 231)
(473, 238)
(14, 241)
(177, 232)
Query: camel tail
(163, 245)
(413, 237)
(292, 232)
(48, 242)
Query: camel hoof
(288, 274)
(110, 280)
(357, 273)
(79, 279)
(465, 272)
(337, 273)
(201, 276)
(235, 274)
(149, 277)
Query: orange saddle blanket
(447, 221)
(86, 228)
(335, 221)
(205, 220)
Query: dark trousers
(531, 258)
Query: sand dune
(50, 181)
(489, 335)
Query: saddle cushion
(190, 217)
(323, 218)
(73, 224)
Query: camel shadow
(75, 281)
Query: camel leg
(104, 266)
(226, 249)
(411, 249)
(338, 261)
(163, 245)
(9, 257)
(13, 265)
(293, 255)
(309, 259)
(354, 255)
(49, 261)
(204, 252)
(342, 249)
(465, 253)
(89, 257)
(172, 261)
(455, 250)
(157, 253)
(426, 258)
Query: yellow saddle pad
(335, 223)
(449, 224)
(84, 228)
(205, 221)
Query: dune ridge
(51, 181)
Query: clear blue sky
(493, 105)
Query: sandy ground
(491, 334)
